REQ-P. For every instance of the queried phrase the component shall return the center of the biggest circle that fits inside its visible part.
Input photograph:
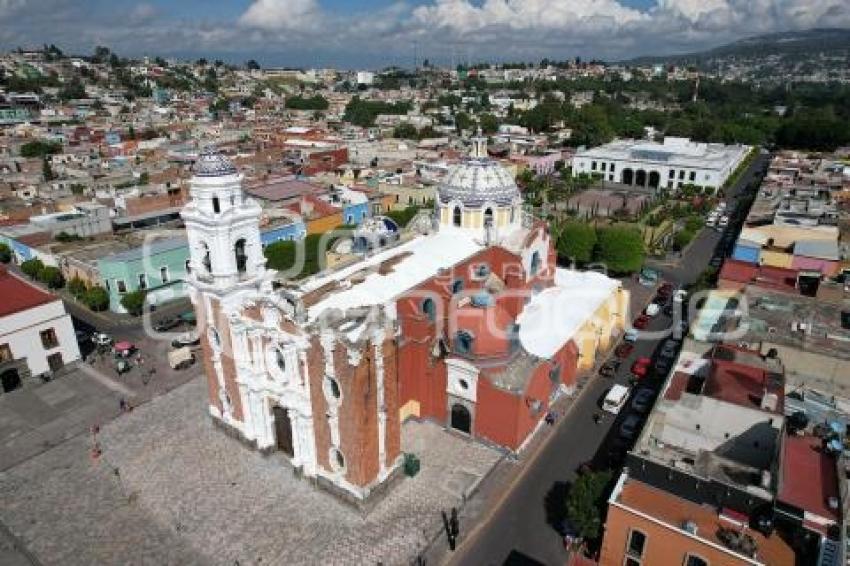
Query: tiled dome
(477, 181)
(213, 164)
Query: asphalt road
(522, 528)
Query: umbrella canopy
(123, 346)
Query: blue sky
(375, 33)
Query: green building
(158, 267)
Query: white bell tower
(223, 227)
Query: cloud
(309, 32)
(282, 14)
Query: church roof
(211, 163)
(477, 181)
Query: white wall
(21, 331)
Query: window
(143, 281)
(429, 308)
(692, 560)
(349, 219)
(163, 274)
(332, 388)
(637, 544)
(49, 339)
(5, 353)
(188, 266)
(612, 168)
(593, 166)
(672, 174)
(555, 374)
(280, 358)
(457, 217)
(216, 205)
(463, 342)
(604, 166)
(457, 286)
(121, 286)
(55, 361)
(337, 460)
(692, 176)
(106, 282)
(535, 263)
(481, 270)
(241, 256)
(682, 174)
(488, 217)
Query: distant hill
(791, 44)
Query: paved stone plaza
(171, 488)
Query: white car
(652, 309)
(631, 335)
(101, 339)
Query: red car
(624, 350)
(641, 367)
(666, 289)
(641, 322)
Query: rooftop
(673, 151)
(19, 295)
(809, 478)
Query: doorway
(461, 418)
(10, 380)
(283, 430)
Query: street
(521, 528)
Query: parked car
(642, 401)
(615, 398)
(181, 358)
(101, 339)
(641, 322)
(652, 310)
(668, 349)
(662, 366)
(624, 350)
(188, 339)
(630, 426)
(166, 324)
(609, 368)
(665, 289)
(641, 367)
(631, 335)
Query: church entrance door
(283, 430)
(461, 419)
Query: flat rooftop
(674, 152)
(809, 480)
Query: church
(464, 320)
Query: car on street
(631, 335)
(641, 322)
(642, 400)
(668, 310)
(624, 350)
(662, 366)
(641, 367)
(101, 339)
(668, 349)
(666, 288)
(716, 262)
(616, 398)
(166, 324)
(652, 309)
(630, 427)
(188, 339)
(609, 368)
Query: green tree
(585, 501)
(489, 123)
(47, 170)
(96, 298)
(576, 241)
(620, 248)
(404, 216)
(40, 148)
(134, 302)
(52, 277)
(144, 178)
(462, 121)
(5, 253)
(32, 267)
(405, 131)
(77, 287)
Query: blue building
(281, 232)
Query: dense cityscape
(468, 310)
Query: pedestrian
(550, 418)
(597, 418)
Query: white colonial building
(672, 164)
(36, 334)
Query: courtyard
(172, 488)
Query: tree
(77, 287)
(5, 253)
(52, 277)
(489, 123)
(40, 148)
(406, 131)
(620, 248)
(47, 170)
(32, 267)
(134, 302)
(71, 90)
(252, 64)
(144, 178)
(576, 241)
(462, 121)
(585, 501)
(96, 298)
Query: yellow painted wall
(324, 223)
(409, 409)
(775, 259)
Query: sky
(378, 33)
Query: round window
(463, 384)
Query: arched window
(463, 342)
(488, 217)
(207, 261)
(457, 286)
(457, 218)
(535, 263)
(429, 308)
(241, 257)
(216, 205)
